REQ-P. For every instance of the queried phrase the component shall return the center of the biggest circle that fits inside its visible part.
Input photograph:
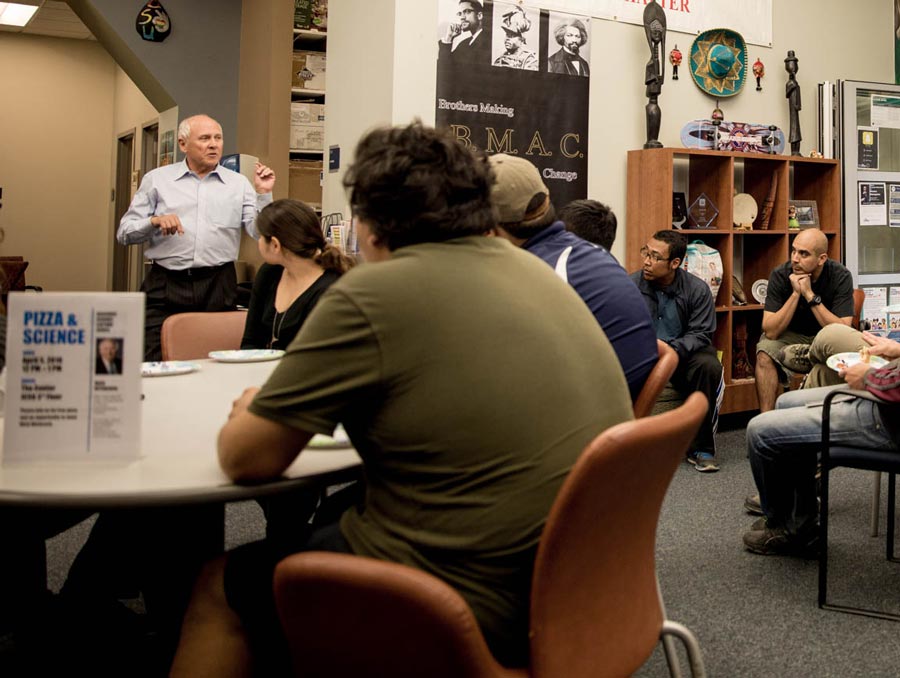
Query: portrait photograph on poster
(516, 36)
(569, 45)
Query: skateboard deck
(733, 136)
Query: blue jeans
(783, 447)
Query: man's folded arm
(254, 449)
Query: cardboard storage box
(307, 137)
(307, 114)
(305, 182)
(308, 70)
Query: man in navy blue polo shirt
(527, 219)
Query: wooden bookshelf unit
(653, 176)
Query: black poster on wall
(514, 79)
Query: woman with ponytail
(299, 266)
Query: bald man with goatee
(806, 294)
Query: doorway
(124, 165)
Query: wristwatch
(815, 301)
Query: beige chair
(189, 336)
(596, 609)
(657, 379)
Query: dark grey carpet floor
(756, 616)
(753, 615)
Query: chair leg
(671, 656)
(876, 502)
(823, 554)
(823, 537)
(892, 496)
(689, 640)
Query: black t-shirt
(835, 286)
(263, 328)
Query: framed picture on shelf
(805, 212)
(679, 210)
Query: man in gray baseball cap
(526, 218)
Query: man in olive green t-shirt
(468, 376)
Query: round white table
(182, 415)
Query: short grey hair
(184, 129)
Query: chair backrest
(595, 605)
(348, 615)
(595, 608)
(189, 336)
(13, 278)
(859, 298)
(657, 379)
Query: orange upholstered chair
(596, 609)
(189, 336)
(859, 298)
(657, 379)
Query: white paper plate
(250, 355)
(759, 289)
(841, 361)
(168, 368)
(339, 439)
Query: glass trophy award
(703, 212)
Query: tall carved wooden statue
(655, 29)
(792, 93)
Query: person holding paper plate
(299, 266)
(783, 446)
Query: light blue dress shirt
(212, 211)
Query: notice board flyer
(73, 385)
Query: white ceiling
(55, 19)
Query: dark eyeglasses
(653, 256)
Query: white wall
(833, 40)
(55, 135)
(360, 86)
(57, 156)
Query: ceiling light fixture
(15, 14)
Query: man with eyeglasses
(465, 39)
(804, 295)
(684, 316)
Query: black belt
(197, 272)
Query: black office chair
(835, 456)
(13, 277)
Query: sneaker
(769, 541)
(703, 462)
(796, 358)
(753, 506)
